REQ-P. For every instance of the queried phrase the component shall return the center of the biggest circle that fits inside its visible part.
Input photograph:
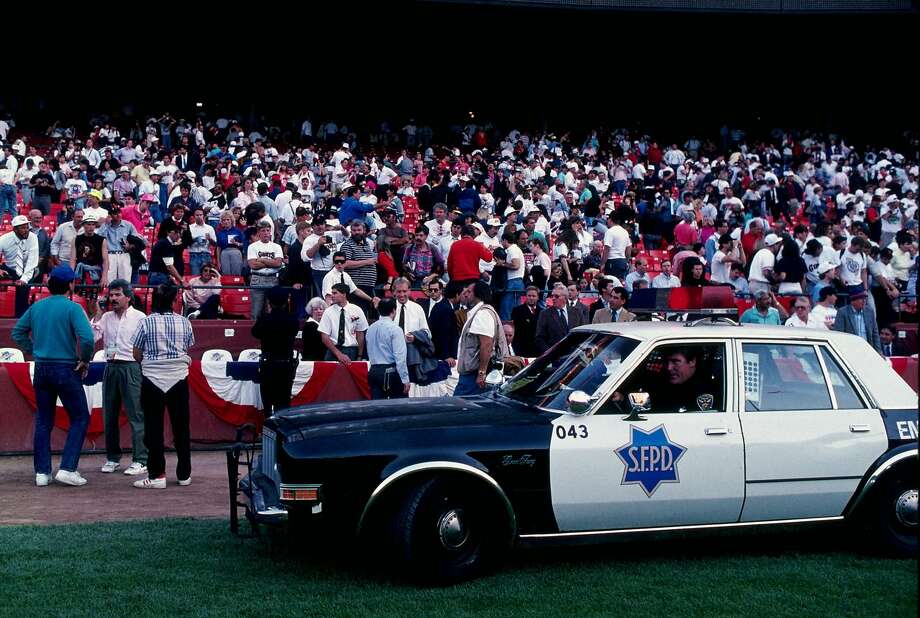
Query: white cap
(771, 240)
(20, 220)
(736, 233)
(494, 222)
(88, 218)
(345, 145)
(824, 267)
(190, 174)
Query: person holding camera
(317, 249)
(115, 323)
(43, 188)
(482, 340)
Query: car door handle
(860, 428)
(716, 431)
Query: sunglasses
(338, 261)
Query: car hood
(340, 418)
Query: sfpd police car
(619, 428)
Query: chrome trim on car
(742, 524)
(876, 474)
(429, 466)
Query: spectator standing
(666, 278)
(854, 267)
(161, 345)
(766, 310)
(19, 250)
(421, 258)
(317, 250)
(514, 263)
(162, 259)
(312, 340)
(858, 319)
(388, 375)
(203, 238)
(115, 323)
(343, 327)
(525, 318)
(443, 320)
(116, 233)
(44, 244)
(361, 261)
(618, 245)
(790, 269)
(338, 275)
(481, 340)
(615, 311)
(761, 276)
(62, 242)
(803, 316)
(43, 188)
(62, 349)
(464, 256)
(265, 258)
(276, 331)
(555, 322)
(230, 244)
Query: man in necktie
(554, 323)
(890, 344)
(342, 328)
(19, 250)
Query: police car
(617, 429)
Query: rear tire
(444, 531)
(895, 518)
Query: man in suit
(556, 320)
(186, 161)
(858, 319)
(891, 346)
(616, 312)
(525, 319)
(434, 289)
(445, 333)
(575, 304)
(603, 301)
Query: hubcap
(905, 508)
(452, 529)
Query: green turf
(195, 567)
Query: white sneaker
(194, 314)
(70, 478)
(186, 482)
(110, 466)
(149, 483)
(42, 480)
(136, 468)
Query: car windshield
(580, 362)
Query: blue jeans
(95, 272)
(466, 385)
(8, 200)
(52, 381)
(197, 260)
(157, 279)
(510, 298)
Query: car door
(613, 470)
(809, 433)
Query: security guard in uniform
(277, 331)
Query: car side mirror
(495, 378)
(579, 402)
(640, 402)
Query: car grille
(269, 455)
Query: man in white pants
(116, 233)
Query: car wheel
(896, 517)
(444, 532)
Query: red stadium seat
(235, 302)
(8, 302)
(743, 305)
(231, 280)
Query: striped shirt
(363, 275)
(164, 336)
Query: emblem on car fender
(650, 459)
(704, 401)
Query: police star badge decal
(650, 459)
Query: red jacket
(463, 259)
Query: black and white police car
(618, 429)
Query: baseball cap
(20, 220)
(824, 267)
(494, 222)
(771, 240)
(345, 145)
(63, 273)
(89, 218)
(148, 197)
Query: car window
(847, 399)
(580, 362)
(780, 376)
(678, 378)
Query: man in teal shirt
(766, 310)
(60, 366)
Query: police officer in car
(681, 387)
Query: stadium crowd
(804, 229)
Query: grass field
(195, 567)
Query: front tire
(444, 532)
(895, 518)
